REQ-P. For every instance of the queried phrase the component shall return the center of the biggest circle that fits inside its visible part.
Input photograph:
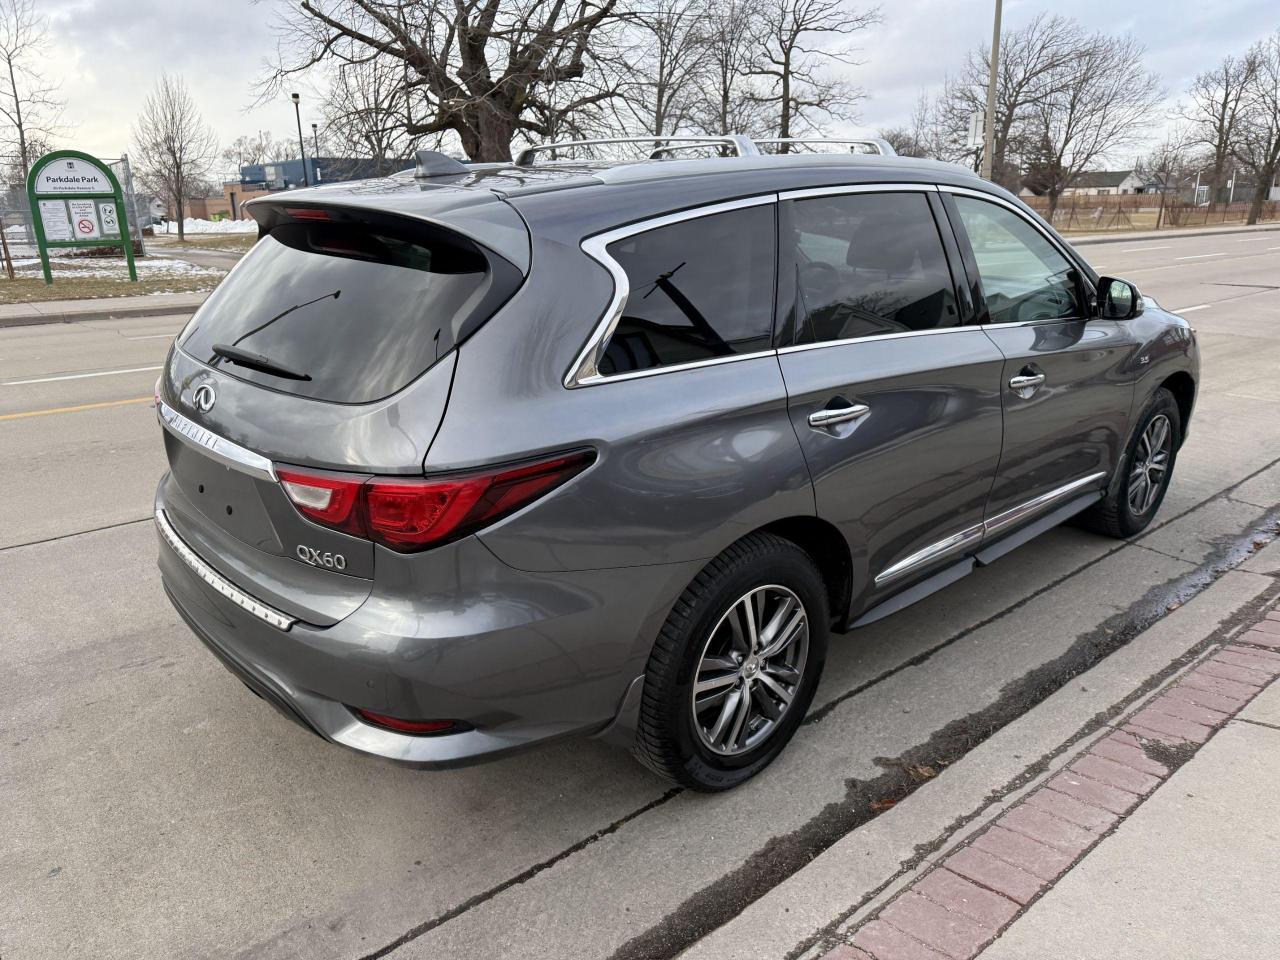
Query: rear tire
(1142, 479)
(750, 697)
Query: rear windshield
(348, 312)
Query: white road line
(1253, 240)
(1141, 249)
(1200, 306)
(1197, 256)
(78, 376)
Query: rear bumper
(522, 658)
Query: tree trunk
(784, 123)
(1259, 196)
(177, 202)
(1215, 178)
(1054, 196)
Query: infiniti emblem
(204, 397)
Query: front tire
(1136, 492)
(735, 666)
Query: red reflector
(408, 514)
(407, 726)
(307, 213)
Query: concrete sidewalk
(1159, 839)
(70, 311)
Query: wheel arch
(826, 545)
(1183, 387)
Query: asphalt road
(154, 808)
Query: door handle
(1026, 382)
(833, 415)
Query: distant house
(1101, 183)
(260, 179)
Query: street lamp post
(989, 140)
(315, 145)
(302, 147)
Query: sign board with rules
(78, 203)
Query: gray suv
(475, 457)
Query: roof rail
(740, 146)
(874, 144)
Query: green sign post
(76, 202)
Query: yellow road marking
(75, 409)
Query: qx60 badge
(204, 397)
(331, 561)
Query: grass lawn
(84, 278)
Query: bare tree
(1030, 70)
(1258, 142)
(367, 111)
(173, 145)
(1217, 99)
(904, 141)
(1100, 101)
(733, 35)
(483, 69)
(1166, 165)
(261, 147)
(800, 40)
(29, 103)
(661, 62)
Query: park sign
(76, 202)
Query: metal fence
(1142, 211)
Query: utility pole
(988, 149)
(302, 145)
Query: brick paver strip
(1093, 792)
(936, 926)
(885, 942)
(990, 871)
(1073, 810)
(1263, 638)
(1228, 688)
(1273, 614)
(1163, 723)
(1123, 748)
(962, 903)
(1039, 825)
(1203, 698)
(1180, 709)
(1267, 626)
(1038, 859)
(1115, 774)
(1216, 668)
(964, 896)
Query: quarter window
(700, 289)
(1024, 277)
(867, 264)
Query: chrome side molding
(976, 532)
(216, 580)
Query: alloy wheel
(750, 669)
(1150, 465)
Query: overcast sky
(108, 53)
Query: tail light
(409, 514)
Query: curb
(1207, 232)
(964, 902)
(32, 320)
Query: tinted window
(360, 309)
(867, 264)
(1024, 277)
(700, 289)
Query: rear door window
(866, 264)
(700, 289)
(348, 312)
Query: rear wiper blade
(257, 361)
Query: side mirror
(1118, 299)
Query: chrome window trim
(218, 447)
(214, 579)
(976, 532)
(835, 191)
(935, 331)
(584, 371)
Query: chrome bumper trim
(217, 581)
(219, 448)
